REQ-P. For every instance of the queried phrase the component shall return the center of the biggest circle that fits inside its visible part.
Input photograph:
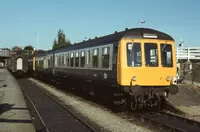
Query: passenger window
(95, 55)
(72, 60)
(35, 61)
(105, 57)
(65, 59)
(49, 62)
(88, 57)
(82, 58)
(62, 64)
(68, 60)
(58, 60)
(41, 63)
(77, 59)
(55, 60)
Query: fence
(188, 53)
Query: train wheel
(156, 101)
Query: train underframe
(136, 97)
(139, 97)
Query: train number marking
(105, 76)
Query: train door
(19, 64)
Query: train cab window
(134, 58)
(105, 57)
(71, 59)
(95, 56)
(151, 54)
(166, 55)
(82, 58)
(77, 59)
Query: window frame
(157, 54)
(127, 59)
(161, 53)
(88, 65)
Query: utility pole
(37, 39)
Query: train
(135, 67)
(17, 64)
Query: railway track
(163, 120)
(169, 122)
(52, 115)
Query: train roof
(116, 36)
(44, 53)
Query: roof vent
(126, 29)
(115, 31)
(95, 37)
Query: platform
(14, 114)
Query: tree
(61, 40)
(16, 48)
(29, 48)
(55, 43)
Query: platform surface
(14, 114)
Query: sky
(32, 22)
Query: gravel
(105, 119)
(187, 100)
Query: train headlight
(134, 78)
(168, 78)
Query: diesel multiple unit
(135, 66)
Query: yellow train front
(146, 67)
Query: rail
(54, 114)
(169, 121)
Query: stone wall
(190, 71)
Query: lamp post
(141, 22)
(37, 39)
